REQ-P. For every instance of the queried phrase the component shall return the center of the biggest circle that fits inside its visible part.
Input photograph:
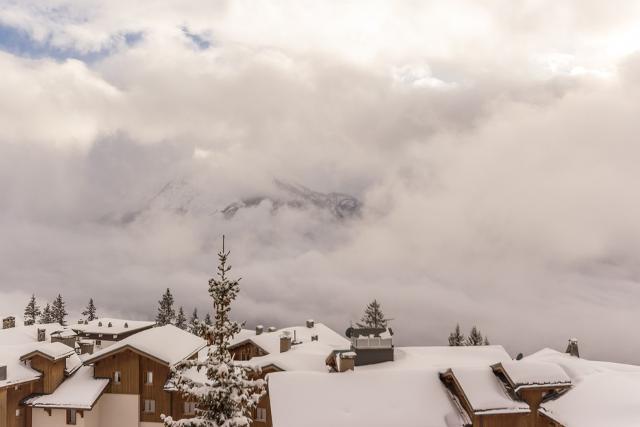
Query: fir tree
(194, 323)
(90, 311)
(181, 320)
(486, 340)
(47, 315)
(31, 311)
(373, 316)
(475, 337)
(166, 313)
(227, 396)
(456, 338)
(207, 320)
(58, 312)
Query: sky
(492, 147)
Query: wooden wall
(154, 391)
(503, 420)
(246, 351)
(14, 397)
(3, 407)
(128, 363)
(52, 373)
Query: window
(117, 377)
(71, 417)
(189, 408)
(98, 343)
(149, 406)
(261, 415)
(149, 378)
(18, 412)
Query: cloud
(492, 147)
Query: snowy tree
(90, 311)
(181, 320)
(58, 312)
(47, 315)
(486, 340)
(456, 338)
(31, 311)
(166, 313)
(373, 316)
(207, 320)
(227, 397)
(475, 337)
(194, 322)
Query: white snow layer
(80, 391)
(101, 326)
(525, 373)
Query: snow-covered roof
(50, 350)
(530, 373)
(485, 392)
(309, 356)
(442, 357)
(17, 372)
(166, 344)
(72, 363)
(101, 326)
(270, 341)
(361, 399)
(28, 334)
(80, 391)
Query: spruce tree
(47, 315)
(31, 311)
(194, 323)
(486, 340)
(58, 311)
(373, 316)
(181, 320)
(207, 320)
(166, 313)
(90, 311)
(456, 338)
(475, 337)
(227, 397)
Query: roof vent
(314, 337)
(42, 335)
(3, 373)
(572, 348)
(259, 329)
(310, 323)
(109, 325)
(80, 322)
(271, 329)
(86, 322)
(99, 323)
(126, 325)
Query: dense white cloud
(493, 148)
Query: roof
(270, 341)
(50, 350)
(166, 344)
(17, 372)
(308, 356)
(530, 373)
(485, 392)
(80, 391)
(28, 334)
(101, 326)
(361, 399)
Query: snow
(485, 392)
(526, 373)
(117, 326)
(50, 350)
(80, 391)
(72, 363)
(28, 334)
(17, 372)
(361, 399)
(270, 341)
(165, 343)
(309, 356)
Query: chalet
(371, 345)
(105, 331)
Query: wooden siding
(128, 363)
(154, 391)
(3, 407)
(247, 351)
(14, 397)
(503, 420)
(52, 373)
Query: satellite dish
(349, 332)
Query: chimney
(3, 373)
(42, 335)
(126, 325)
(86, 322)
(572, 348)
(80, 322)
(86, 347)
(271, 329)
(259, 329)
(314, 337)
(285, 342)
(99, 324)
(9, 322)
(345, 361)
(109, 325)
(310, 323)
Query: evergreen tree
(373, 316)
(90, 311)
(181, 320)
(486, 340)
(31, 311)
(166, 313)
(456, 338)
(475, 337)
(194, 323)
(47, 315)
(58, 312)
(207, 320)
(226, 398)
